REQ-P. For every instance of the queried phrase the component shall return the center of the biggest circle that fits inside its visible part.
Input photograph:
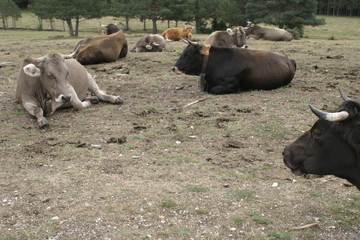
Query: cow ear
(230, 31)
(205, 49)
(32, 70)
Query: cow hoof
(43, 124)
(119, 101)
(94, 100)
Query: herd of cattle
(224, 64)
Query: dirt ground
(154, 168)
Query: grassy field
(212, 170)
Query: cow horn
(188, 42)
(102, 24)
(343, 96)
(346, 98)
(72, 55)
(331, 117)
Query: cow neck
(202, 82)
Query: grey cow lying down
(55, 81)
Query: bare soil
(154, 168)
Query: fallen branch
(197, 101)
(305, 226)
(4, 64)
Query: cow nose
(65, 98)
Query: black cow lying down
(230, 70)
(331, 147)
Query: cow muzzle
(63, 99)
(175, 70)
(288, 161)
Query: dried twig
(4, 64)
(305, 226)
(197, 101)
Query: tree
(69, 10)
(290, 14)
(9, 9)
(178, 10)
(202, 11)
(151, 9)
(123, 8)
(43, 9)
(233, 12)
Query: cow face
(239, 37)
(52, 73)
(190, 61)
(331, 147)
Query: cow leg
(94, 88)
(36, 111)
(227, 86)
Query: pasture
(155, 168)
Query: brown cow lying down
(100, 49)
(54, 81)
(175, 34)
(234, 37)
(267, 33)
(150, 43)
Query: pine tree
(290, 14)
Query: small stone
(96, 146)
(275, 184)
(226, 185)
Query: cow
(235, 37)
(230, 70)
(55, 81)
(103, 48)
(178, 33)
(150, 43)
(331, 146)
(267, 33)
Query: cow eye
(316, 133)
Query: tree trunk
(71, 29)
(127, 27)
(168, 23)
(40, 26)
(3, 20)
(51, 24)
(144, 25)
(154, 30)
(77, 26)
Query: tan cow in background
(175, 34)
(267, 33)
(232, 37)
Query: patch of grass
(332, 38)
(18, 110)
(271, 129)
(282, 235)
(246, 176)
(262, 220)
(241, 195)
(197, 188)
(168, 203)
(237, 220)
(202, 211)
(183, 232)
